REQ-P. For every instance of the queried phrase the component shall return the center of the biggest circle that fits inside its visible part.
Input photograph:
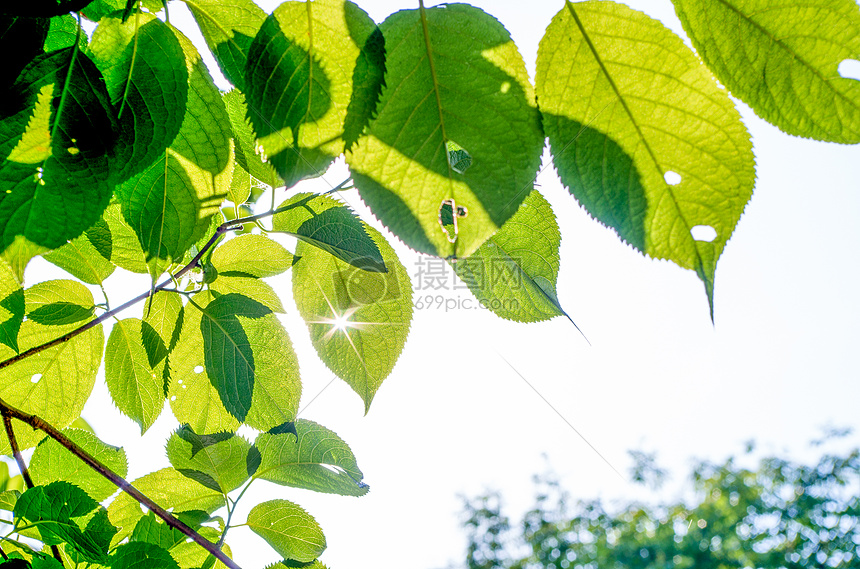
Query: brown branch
(39, 423)
(22, 466)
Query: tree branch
(22, 466)
(39, 423)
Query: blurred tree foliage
(782, 514)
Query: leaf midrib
(616, 90)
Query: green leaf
(56, 507)
(56, 130)
(160, 326)
(144, 69)
(151, 529)
(252, 255)
(251, 287)
(116, 240)
(290, 530)
(136, 386)
(265, 364)
(51, 461)
(59, 303)
(170, 204)
(453, 75)
(142, 555)
(165, 486)
(222, 465)
(299, 83)
(628, 107)
(190, 555)
(8, 498)
(247, 151)
(235, 331)
(514, 272)
(63, 32)
(782, 59)
(326, 223)
(229, 27)
(11, 307)
(358, 320)
(55, 383)
(80, 258)
(316, 459)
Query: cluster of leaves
(118, 151)
(782, 514)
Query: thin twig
(39, 423)
(223, 228)
(22, 466)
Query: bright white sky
(454, 418)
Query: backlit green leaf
(136, 386)
(262, 362)
(151, 529)
(290, 530)
(51, 461)
(251, 287)
(316, 459)
(170, 204)
(159, 330)
(116, 240)
(81, 259)
(229, 27)
(253, 255)
(453, 75)
(358, 320)
(237, 332)
(56, 130)
(514, 272)
(782, 59)
(165, 486)
(223, 465)
(63, 32)
(144, 69)
(326, 223)
(299, 83)
(59, 303)
(641, 134)
(11, 307)
(247, 150)
(142, 555)
(55, 383)
(190, 555)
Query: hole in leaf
(173, 398)
(849, 69)
(458, 158)
(448, 219)
(703, 233)
(36, 377)
(672, 178)
(198, 369)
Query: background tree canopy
(778, 514)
